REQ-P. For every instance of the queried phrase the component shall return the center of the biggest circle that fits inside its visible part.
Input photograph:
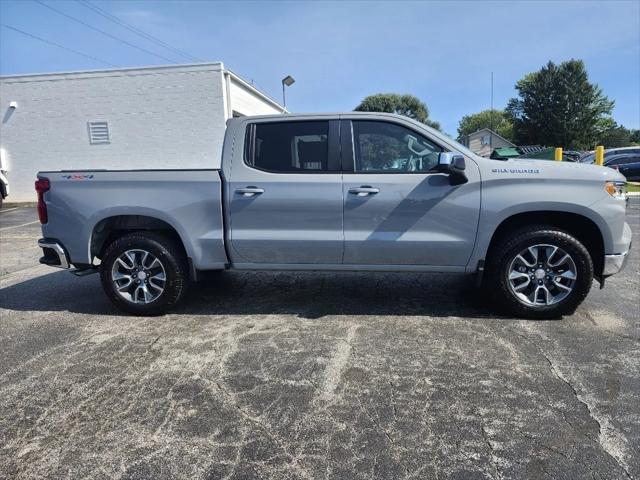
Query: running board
(83, 272)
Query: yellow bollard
(600, 155)
(558, 154)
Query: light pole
(286, 82)
(491, 118)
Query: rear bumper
(54, 253)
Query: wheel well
(108, 229)
(582, 228)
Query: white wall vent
(98, 133)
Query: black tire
(496, 282)
(172, 258)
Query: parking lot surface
(302, 375)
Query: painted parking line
(6, 210)
(18, 226)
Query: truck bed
(81, 202)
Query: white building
(135, 118)
(484, 141)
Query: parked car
(627, 164)
(357, 191)
(590, 157)
(623, 151)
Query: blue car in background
(590, 157)
(626, 160)
(627, 164)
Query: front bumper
(54, 253)
(614, 263)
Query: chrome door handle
(364, 190)
(250, 191)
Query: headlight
(616, 189)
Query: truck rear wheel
(144, 273)
(539, 272)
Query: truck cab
(343, 191)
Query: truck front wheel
(144, 273)
(539, 272)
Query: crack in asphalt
(392, 443)
(492, 454)
(616, 456)
(256, 421)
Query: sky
(339, 52)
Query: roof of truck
(330, 114)
(444, 138)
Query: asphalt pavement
(303, 375)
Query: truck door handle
(364, 190)
(250, 191)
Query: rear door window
(289, 147)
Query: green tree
(615, 136)
(407, 105)
(558, 106)
(497, 120)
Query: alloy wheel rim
(542, 275)
(138, 276)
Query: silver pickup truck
(354, 191)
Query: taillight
(42, 185)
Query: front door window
(382, 147)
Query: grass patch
(633, 187)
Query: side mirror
(452, 164)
